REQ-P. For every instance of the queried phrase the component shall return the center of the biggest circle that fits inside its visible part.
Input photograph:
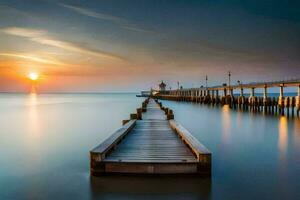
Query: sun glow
(33, 76)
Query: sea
(45, 141)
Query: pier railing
(283, 105)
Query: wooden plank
(166, 161)
(202, 153)
(150, 168)
(152, 145)
(99, 152)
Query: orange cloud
(32, 58)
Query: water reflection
(226, 123)
(186, 187)
(33, 89)
(296, 132)
(283, 136)
(33, 118)
(38, 162)
(239, 118)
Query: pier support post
(207, 97)
(170, 114)
(298, 102)
(231, 100)
(241, 99)
(133, 116)
(251, 98)
(252, 92)
(287, 105)
(217, 96)
(139, 113)
(265, 92)
(213, 99)
(181, 96)
(231, 92)
(281, 91)
(265, 100)
(201, 96)
(281, 100)
(292, 104)
(242, 92)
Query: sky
(131, 45)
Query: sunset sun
(33, 76)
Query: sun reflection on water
(226, 126)
(33, 120)
(283, 135)
(297, 132)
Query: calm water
(45, 142)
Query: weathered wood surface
(282, 105)
(154, 145)
(152, 141)
(111, 142)
(202, 153)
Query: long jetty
(283, 105)
(150, 142)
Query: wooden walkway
(151, 146)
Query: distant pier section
(221, 95)
(144, 94)
(150, 142)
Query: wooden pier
(151, 142)
(221, 95)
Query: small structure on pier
(162, 86)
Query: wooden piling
(253, 103)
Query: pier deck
(153, 145)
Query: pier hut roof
(162, 84)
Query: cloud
(136, 29)
(117, 20)
(41, 37)
(93, 14)
(30, 33)
(32, 58)
(75, 47)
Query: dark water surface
(45, 142)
